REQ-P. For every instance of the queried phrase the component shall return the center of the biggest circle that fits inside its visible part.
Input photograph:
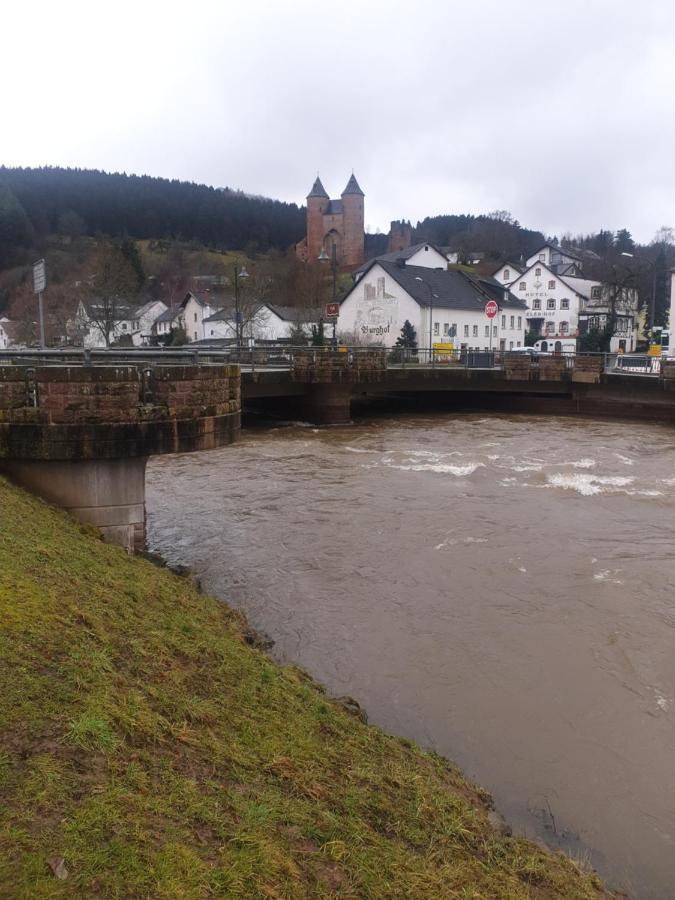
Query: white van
(556, 345)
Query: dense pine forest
(37, 202)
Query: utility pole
(238, 323)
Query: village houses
(563, 305)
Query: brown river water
(499, 588)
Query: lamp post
(431, 313)
(238, 275)
(322, 258)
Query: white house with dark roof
(168, 321)
(425, 254)
(266, 322)
(6, 333)
(197, 306)
(444, 307)
(508, 272)
(561, 307)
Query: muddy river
(501, 589)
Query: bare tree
(114, 285)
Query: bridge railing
(281, 357)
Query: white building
(93, 318)
(444, 307)
(6, 331)
(197, 306)
(426, 254)
(561, 307)
(146, 316)
(168, 321)
(265, 322)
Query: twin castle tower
(337, 227)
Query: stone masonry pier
(80, 436)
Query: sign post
(39, 284)
(332, 313)
(491, 310)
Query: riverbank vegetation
(146, 750)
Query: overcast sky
(561, 113)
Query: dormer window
(542, 257)
(595, 293)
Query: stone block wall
(517, 367)
(324, 366)
(72, 395)
(587, 369)
(552, 368)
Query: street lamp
(237, 312)
(431, 311)
(322, 258)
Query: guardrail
(281, 357)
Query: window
(124, 326)
(522, 286)
(564, 327)
(512, 322)
(536, 304)
(550, 303)
(453, 330)
(537, 272)
(503, 321)
(446, 329)
(517, 343)
(520, 322)
(475, 330)
(437, 328)
(595, 293)
(195, 335)
(551, 285)
(494, 331)
(487, 331)
(195, 317)
(212, 332)
(542, 258)
(550, 328)
(380, 287)
(510, 345)
(466, 331)
(565, 303)
(507, 273)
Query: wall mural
(376, 311)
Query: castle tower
(317, 201)
(400, 236)
(353, 224)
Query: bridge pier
(80, 436)
(107, 493)
(327, 404)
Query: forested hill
(90, 202)
(498, 235)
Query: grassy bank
(146, 745)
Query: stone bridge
(80, 435)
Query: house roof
(295, 313)
(318, 190)
(118, 311)
(449, 289)
(146, 307)
(169, 314)
(573, 254)
(400, 254)
(517, 267)
(352, 187)
(202, 298)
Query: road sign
(491, 309)
(39, 276)
(332, 310)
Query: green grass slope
(144, 744)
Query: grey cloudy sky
(562, 113)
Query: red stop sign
(491, 309)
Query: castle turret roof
(318, 190)
(352, 187)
